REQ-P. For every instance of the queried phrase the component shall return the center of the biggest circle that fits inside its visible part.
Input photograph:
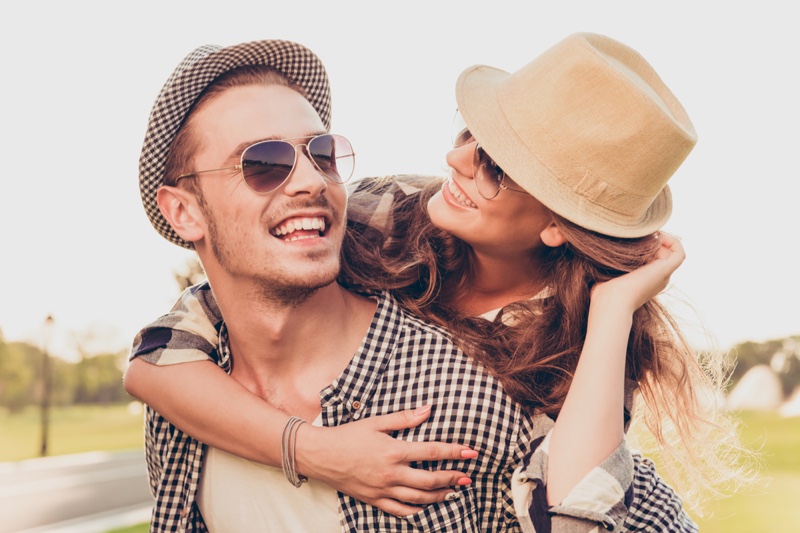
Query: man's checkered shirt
(403, 363)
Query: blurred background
(83, 270)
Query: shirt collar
(356, 384)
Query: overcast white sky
(80, 78)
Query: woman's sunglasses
(266, 165)
(487, 175)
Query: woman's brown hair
(533, 347)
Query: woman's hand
(636, 288)
(361, 460)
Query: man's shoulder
(421, 343)
(428, 354)
(412, 326)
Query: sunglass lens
(267, 164)
(488, 175)
(334, 156)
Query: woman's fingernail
(419, 411)
(450, 496)
(469, 454)
(463, 481)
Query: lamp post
(45, 406)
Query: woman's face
(510, 224)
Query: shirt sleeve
(372, 202)
(189, 332)
(597, 500)
(623, 493)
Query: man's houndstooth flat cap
(196, 72)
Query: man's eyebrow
(237, 152)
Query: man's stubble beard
(275, 292)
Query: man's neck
(287, 353)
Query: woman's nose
(460, 158)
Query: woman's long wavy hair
(535, 352)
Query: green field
(140, 528)
(72, 430)
(770, 506)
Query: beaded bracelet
(288, 445)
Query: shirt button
(356, 405)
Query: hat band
(609, 197)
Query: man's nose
(306, 176)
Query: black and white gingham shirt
(403, 363)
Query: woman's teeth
(460, 196)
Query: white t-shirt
(241, 496)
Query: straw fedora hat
(588, 128)
(197, 71)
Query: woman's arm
(590, 425)
(624, 493)
(359, 459)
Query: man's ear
(182, 211)
(552, 236)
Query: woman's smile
(455, 195)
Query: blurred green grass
(73, 429)
(772, 504)
(139, 528)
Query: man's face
(241, 226)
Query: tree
(17, 376)
(98, 379)
(782, 355)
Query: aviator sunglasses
(487, 175)
(266, 165)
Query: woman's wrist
(611, 304)
(306, 454)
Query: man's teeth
(295, 224)
(460, 196)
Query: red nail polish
(469, 454)
(464, 481)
